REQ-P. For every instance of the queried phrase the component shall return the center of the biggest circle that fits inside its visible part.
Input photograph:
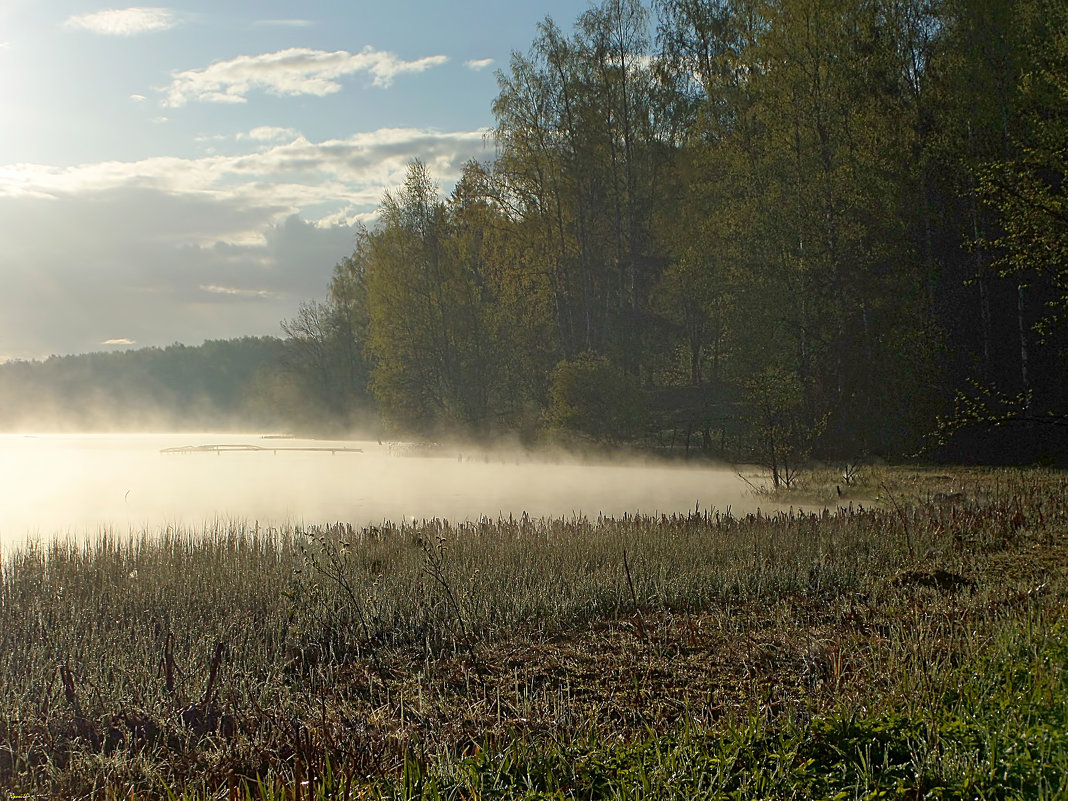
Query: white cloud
(124, 21)
(296, 71)
(270, 133)
(234, 291)
(477, 64)
(138, 98)
(119, 341)
(342, 173)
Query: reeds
(238, 656)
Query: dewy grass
(1002, 732)
(235, 657)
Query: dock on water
(259, 448)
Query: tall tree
(425, 312)
(581, 133)
(1027, 186)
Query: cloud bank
(292, 175)
(124, 22)
(295, 71)
(170, 249)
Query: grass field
(903, 639)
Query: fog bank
(77, 484)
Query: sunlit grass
(405, 656)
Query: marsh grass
(416, 658)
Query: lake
(76, 484)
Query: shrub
(590, 396)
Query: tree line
(829, 227)
(220, 383)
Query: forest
(220, 383)
(772, 229)
(802, 227)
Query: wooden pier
(260, 449)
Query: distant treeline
(774, 227)
(220, 384)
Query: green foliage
(324, 378)
(218, 383)
(782, 432)
(590, 396)
(1028, 186)
(866, 196)
(583, 133)
(1000, 734)
(426, 313)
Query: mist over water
(81, 484)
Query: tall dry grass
(232, 652)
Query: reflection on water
(82, 483)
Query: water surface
(76, 484)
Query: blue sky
(190, 172)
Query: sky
(190, 172)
